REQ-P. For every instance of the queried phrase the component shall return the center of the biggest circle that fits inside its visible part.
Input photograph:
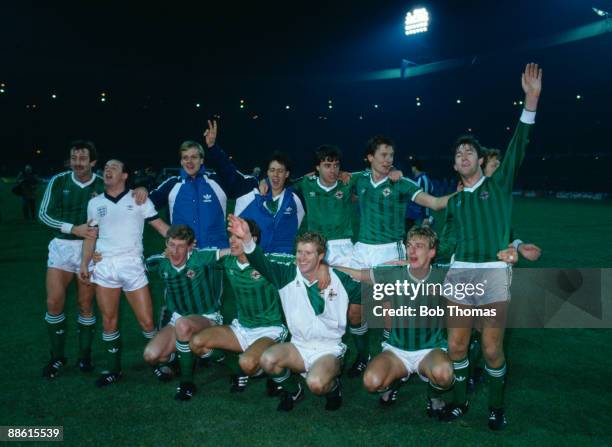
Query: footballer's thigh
(141, 304)
(383, 370)
(321, 376)
(57, 282)
(161, 346)
(280, 356)
(215, 337)
(437, 367)
(251, 358)
(108, 303)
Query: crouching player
(316, 318)
(416, 344)
(193, 292)
(259, 322)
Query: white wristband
(249, 247)
(528, 117)
(66, 228)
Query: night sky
(155, 62)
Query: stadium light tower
(417, 21)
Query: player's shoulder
(60, 177)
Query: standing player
(316, 318)
(64, 208)
(278, 213)
(478, 226)
(416, 344)
(121, 223)
(382, 206)
(259, 322)
(198, 199)
(193, 292)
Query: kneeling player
(193, 290)
(416, 343)
(316, 318)
(259, 324)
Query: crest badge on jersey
(484, 195)
(312, 194)
(332, 294)
(101, 211)
(190, 274)
(386, 192)
(255, 275)
(339, 195)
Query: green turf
(557, 390)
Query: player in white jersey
(121, 224)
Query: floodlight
(417, 21)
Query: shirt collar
(87, 183)
(476, 185)
(378, 183)
(326, 188)
(118, 198)
(178, 269)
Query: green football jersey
(65, 202)
(328, 210)
(382, 208)
(478, 219)
(412, 333)
(196, 287)
(257, 300)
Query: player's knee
(354, 314)
(151, 355)
(316, 384)
(182, 329)
(109, 323)
(54, 305)
(493, 354)
(458, 347)
(268, 361)
(442, 375)
(147, 324)
(372, 381)
(248, 364)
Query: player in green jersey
(477, 226)
(416, 343)
(259, 322)
(64, 208)
(316, 317)
(193, 291)
(382, 207)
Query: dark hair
(312, 237)
(468, 139)
(374, 142)
(490, 153)
(254, 229)
(281, 158)
(77, 145)
(327, 152)
(182, 232)
(124, 167)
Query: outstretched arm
(434, 203)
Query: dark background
(156, 62)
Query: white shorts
(410, 359)
(493, 278)
(215, 318)
(369, 255)
(314, 351)
(340, 252)
(65, 254)
(248, 335)
(120, 272)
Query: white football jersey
(121, 223)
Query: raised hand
(395, 175)
(210, 135)
(140, 195)
(531, 81)
(239, 228)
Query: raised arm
(233, 182)
(279, 274)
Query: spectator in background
(415, 213)
(27, 182)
